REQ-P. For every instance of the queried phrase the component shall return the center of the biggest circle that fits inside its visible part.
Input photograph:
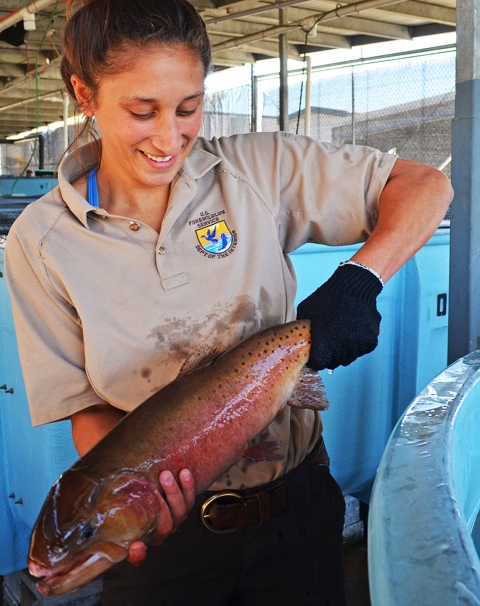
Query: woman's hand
(177, 501)
(344, 316)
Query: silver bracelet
(350, 262)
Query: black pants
(295, 559)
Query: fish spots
(347, 157)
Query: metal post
(41, 150)
(464, 308)
(283, 53)
(353, 107)
(65, 121)
(259, 109)
(308, 87)
(254, 101)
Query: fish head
(85, 528)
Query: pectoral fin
(201, 357)
(309, 392)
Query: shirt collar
(79, 163)
(72, 167)
(199, 161)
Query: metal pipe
(18, 15)
(283, 91)
(307, 23)
(254, 11)
(308, 87)
(41, 145)
(353, 107)
(445, 163)
(41, 150)
(253, 100)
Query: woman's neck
(145, 204)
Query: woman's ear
(84, 96)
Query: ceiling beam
(30, 100)
(359, 25)
(234, 57)
(248, 12)
(271, 49)
(20, 81)
(306, 23)
(321, 39)
(424, 10)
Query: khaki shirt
(108, 310)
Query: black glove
(345, 320)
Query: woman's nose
(166, 135)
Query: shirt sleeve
(317, 192)
(49, 336)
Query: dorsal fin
(309, 392)
(201, 357)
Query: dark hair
(99, 36)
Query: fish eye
(87, 532)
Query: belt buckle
(204, 515)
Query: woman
(158, 244)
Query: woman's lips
(163, 161)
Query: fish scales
(202, 421)
(175, 436)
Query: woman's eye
(142, 116)
(184, 112)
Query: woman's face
(149, 115)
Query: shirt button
(161, 250)
(134, 226)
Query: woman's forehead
(129, 56)
(155, 72)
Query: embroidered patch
(216, 238)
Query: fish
(205, 421)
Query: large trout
(202, 421)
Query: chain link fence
(402, 104)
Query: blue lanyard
(93, 188)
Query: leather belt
(228, 510)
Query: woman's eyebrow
(152, 100)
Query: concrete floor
(356, 574)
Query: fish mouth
(81, 571)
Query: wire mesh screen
(227, 112)
(18, 156)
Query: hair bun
(71, 6)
